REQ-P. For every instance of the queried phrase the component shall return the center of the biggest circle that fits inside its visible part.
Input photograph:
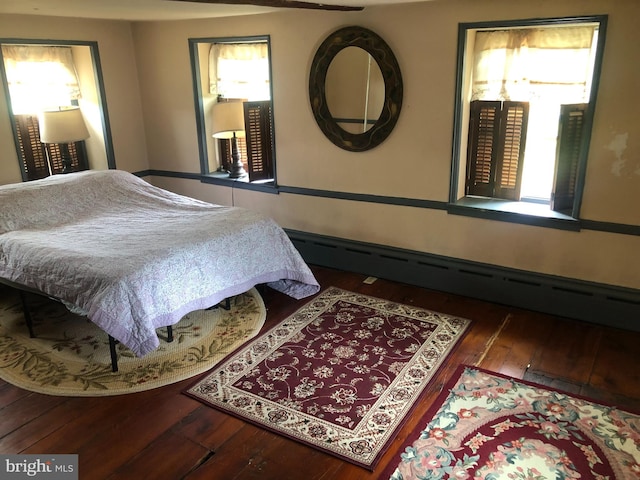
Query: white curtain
(526, 64)
(40, 77)
(239, 70)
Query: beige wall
(90, 106)
(414, 162)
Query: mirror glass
(354, 89)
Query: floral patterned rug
(341, 374)
(70, 355)
(488, 426)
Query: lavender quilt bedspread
(134, 257)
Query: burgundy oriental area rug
(341, 374)
(488, 426)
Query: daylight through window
(239, 70)
(40, 77)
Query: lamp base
(67, 165)
(237, 172)
(237, 169)
(67, 162)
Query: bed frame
(23, 290)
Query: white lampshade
(228, 119)
(62, 126)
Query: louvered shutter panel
(510, 154)
(80, 157)
(34, 160)
(259, 137)
(484, 128)
(568, 149)
(224, 149)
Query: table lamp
(228, 123)
(63, 127)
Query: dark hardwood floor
(163, 434)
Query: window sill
(222, 178)
(527, 213)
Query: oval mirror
(355, 109)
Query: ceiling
(139, 10)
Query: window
(44, 77)
(230, 70)
(41, 78)
(525, 100)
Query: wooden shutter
(484, 128)
(33, 156)
(497, 133)
(224, 149)
(509, 161)
(259, 137)
(568, 150)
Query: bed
(133, 257)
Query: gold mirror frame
(354, 36)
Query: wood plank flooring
(163, 434)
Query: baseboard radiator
(591, 302)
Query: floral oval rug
(70, 355)
(488, 426)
